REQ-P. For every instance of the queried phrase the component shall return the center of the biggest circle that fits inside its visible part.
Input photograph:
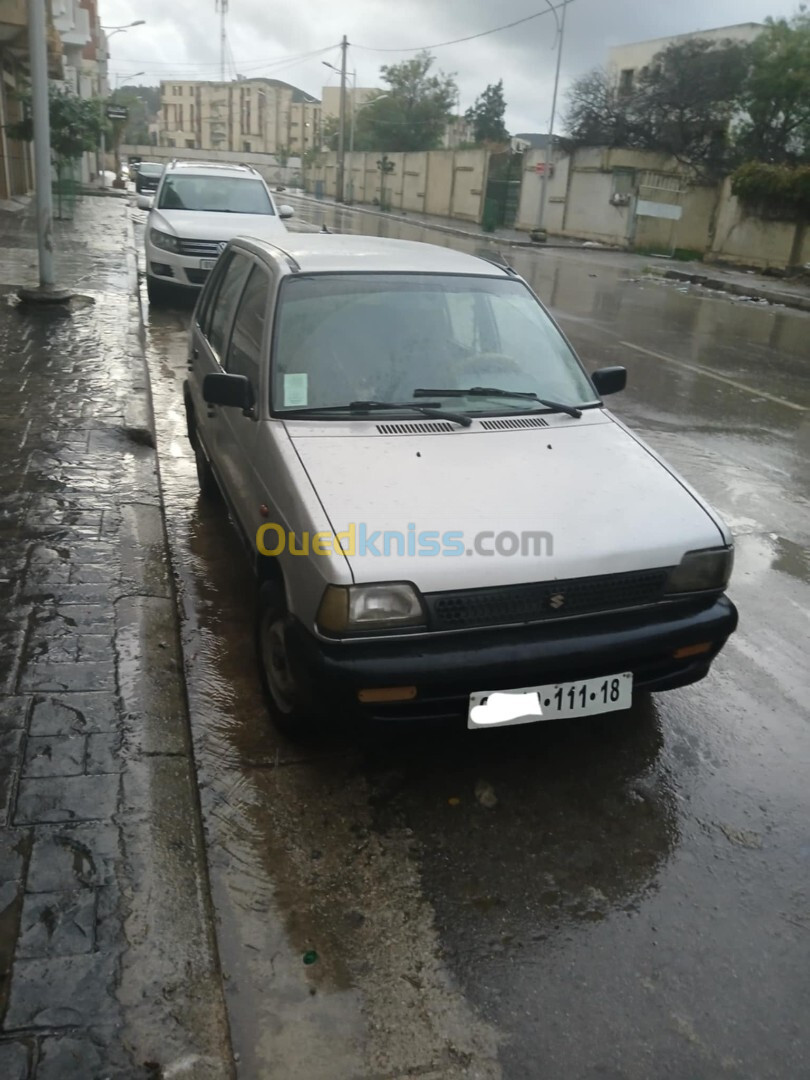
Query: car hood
(204, 226)
(604, 502)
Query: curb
(169, 923)
(772, 296)
(139, 423)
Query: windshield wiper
(493, 391)
(432, 409)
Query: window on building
(624, 182)
(190, 145)
(626, 81)
(191, 116)
(180, 117)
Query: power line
(471, 37)
(243, 64)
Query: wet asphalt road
(637, 903)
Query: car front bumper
(446, 668)
(172, 269)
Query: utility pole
(37, 44)
(549, 144)
(341, 162)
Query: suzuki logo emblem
(556, 600)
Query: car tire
(290, 714)
(159, 294)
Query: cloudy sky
(271, 37)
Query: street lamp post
(549, 144)
(113, 30)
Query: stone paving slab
(104, 910)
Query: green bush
(774, 191)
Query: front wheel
(158, 293)
(290, 715)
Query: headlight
(164, 240)
(351, 608)
(702, 570)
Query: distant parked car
(198, 208)
(148, 176)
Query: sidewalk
(788, 292)
(108, 964)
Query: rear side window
(223, 305)
(244, 351)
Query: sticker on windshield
(296, 390)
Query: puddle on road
(434, 921)
(356, 852)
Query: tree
(776, 97)
(686, 100)
(681, 105)
(486, 115)
(598, 114)
(75, 123)
(412, 114)
(143, 103)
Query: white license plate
(207, 264)
(502, 708)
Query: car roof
(344, 253)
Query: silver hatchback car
(444, 518)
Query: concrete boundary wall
(447, 183)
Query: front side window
(244, 351)
(215, 194)
(360, 337)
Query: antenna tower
(222, 8)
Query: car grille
(200, 249)
(545, 600)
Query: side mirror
(229, 390)
(285, 211)
(609, 380)
(145, 202)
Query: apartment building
(264, 116)
(16, 167)
(626, 62)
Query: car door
(212, 336)
(240, 433)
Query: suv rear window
(215, 194)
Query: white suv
(197, 209)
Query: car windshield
(216, 194)
(361, 337)
(146, 169)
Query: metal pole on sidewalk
(38, 48)
(341, 162)
(42, 140)
(549, 144)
